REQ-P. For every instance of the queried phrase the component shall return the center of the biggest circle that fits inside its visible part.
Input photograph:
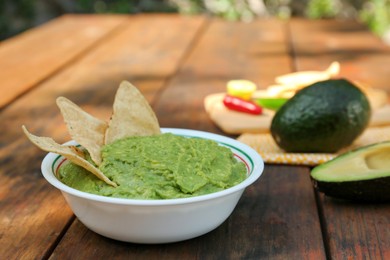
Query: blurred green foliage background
(19, 15)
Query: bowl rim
(257, 164)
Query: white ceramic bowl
(158, 221)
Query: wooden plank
(361, 54)
(356, 230)
(272, 220)
(276, 219)
(34, 55)
(353, 231)
(229, 50)
(259, 52)
(265, 223)
(33, 213)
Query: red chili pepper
(241, 105)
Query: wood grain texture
(34, 215)
(276, 218)
(353, 231)
(176, 61)
(363, 56)
(255, 51)
(258, 209)
(31, 57)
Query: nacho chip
(49, 145)
(132, 115)
(85, 129)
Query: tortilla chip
(85, 129)
(77, 151)
(49, 145)
(132, 115)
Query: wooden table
(176, 61)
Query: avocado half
(360, 175)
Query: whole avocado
(323, 117)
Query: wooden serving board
(233, 122)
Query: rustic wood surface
(176, 61)
(351, 231)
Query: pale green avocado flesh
(362, 174)
(162, 166)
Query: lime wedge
(271, 103)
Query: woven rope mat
(271, 153)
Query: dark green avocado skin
(375, 190)
(356, 181)
(323, 117)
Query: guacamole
(163, 166)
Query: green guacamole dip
(162, 166)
